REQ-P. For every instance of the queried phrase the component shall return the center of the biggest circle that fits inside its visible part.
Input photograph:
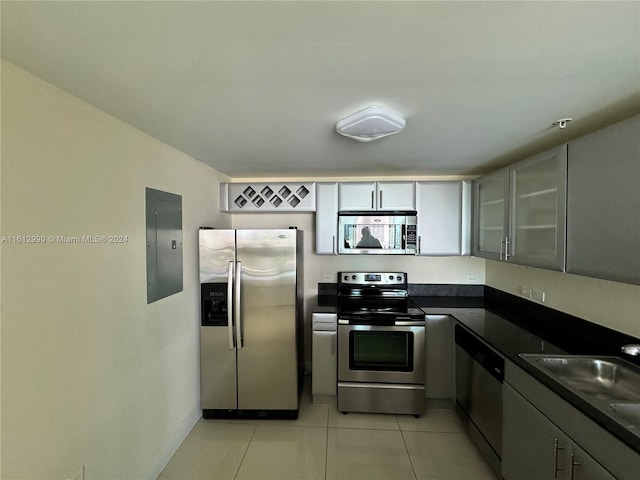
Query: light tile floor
(327, 445)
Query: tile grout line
(253, 433)
(404, 441)
(326, 446)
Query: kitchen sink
(609, 379)
(610, 384)
(627, 413)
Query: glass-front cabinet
(491, 214)
(520, 212)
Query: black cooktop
(362, 310)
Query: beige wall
(91, 374)
(611, 304)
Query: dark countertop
(513, 325)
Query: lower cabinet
(534, 448)
(324, 367)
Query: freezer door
(267, 361)
(216, 250)
(218, 377)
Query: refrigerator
(251, 360)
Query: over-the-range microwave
(376, 233)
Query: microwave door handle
(230, 306)
(404, 237)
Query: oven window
(388, 351)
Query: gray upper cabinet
(490, 214)
(326, 218)
(603, 203)
(371, 196)
(443, 217)
(537, 220)
(520, 212)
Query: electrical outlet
(525, 291)
(538, 295)
(472, 278)
(328, 278)
(78, 475)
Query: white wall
(91, 374)
(611, 304)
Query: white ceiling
(255, 88)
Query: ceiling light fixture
(370, 124)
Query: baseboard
(154, 471)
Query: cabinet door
(439, 355)
(533, 448)
(357, 196)
(324, 364)
(538, 210)
(442, 209)
(490, 214)
(583, 466)
(326, 218)
(603, 199)
(367, 196)
(396, 195)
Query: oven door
(382, 354)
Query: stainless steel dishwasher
(479, 376)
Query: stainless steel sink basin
(626, 413)
(610, 384)
(609, 379)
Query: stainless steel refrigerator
(251, 361)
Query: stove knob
(353, 277)
(346, 277)
(399, 278)
(390, 277)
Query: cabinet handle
(506, 249)
(380, 198)
(556, 468)
(572, 465)
(501, 249)
(333, 345)
(419, 249)
(373, 199)
(333, 245)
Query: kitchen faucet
(633, 350)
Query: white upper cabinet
(326, 218)
(371, 196)
(268, 197)
(443, 217)
(520, 212)
(603, 203)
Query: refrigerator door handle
(230, 306)
(238, 312)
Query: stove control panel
(372, 278)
